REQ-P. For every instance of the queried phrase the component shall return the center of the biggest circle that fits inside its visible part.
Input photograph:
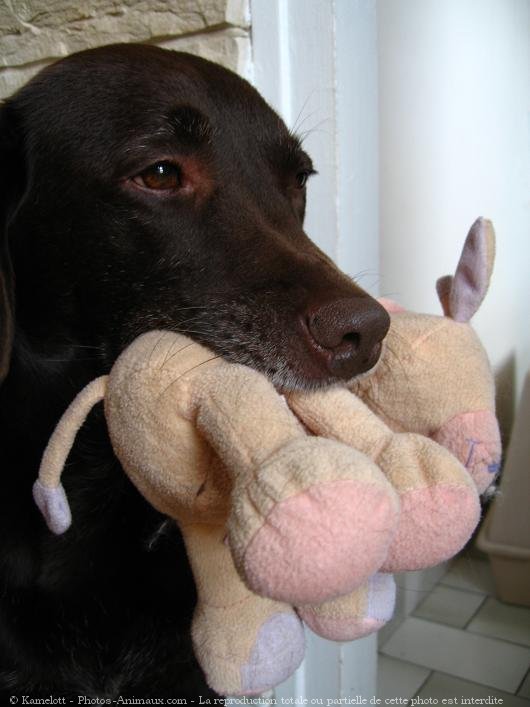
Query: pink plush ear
(462, 294)
(390, 305)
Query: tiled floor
(460, 642)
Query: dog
(141, 189)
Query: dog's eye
(162, 176)
(302, 177)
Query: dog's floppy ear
(11, 189)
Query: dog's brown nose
(348, 333)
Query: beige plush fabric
(214, 446)
(355, 615)
(152, 427)
(228, 619)
(415, 466)
(63, 438)
(433, 369)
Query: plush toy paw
(474, 438)
(355, 615)
(277, 652)
(440, 506)
(247, 648)
(314, 522)
(244, 643)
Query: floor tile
(524, 690)
(388, 629)
(470, 573)
(511, 623)
(439, 686)
(395, 678)
(463, 654)
(450, 606)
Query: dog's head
(144, 188)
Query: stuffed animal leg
(360, 613)
(244, 643)
(439, 503)
(368, 608)
(299, 504)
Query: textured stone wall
(34, 33)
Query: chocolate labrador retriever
(140, 188)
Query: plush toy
(212, 445)
(434, 378)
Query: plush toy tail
(48, 491)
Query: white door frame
(315, 61)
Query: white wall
(454, 90)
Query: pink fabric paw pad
(474, 438)
(380, 604)
(322, 542)
(435, 523)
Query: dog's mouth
(300, 352)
